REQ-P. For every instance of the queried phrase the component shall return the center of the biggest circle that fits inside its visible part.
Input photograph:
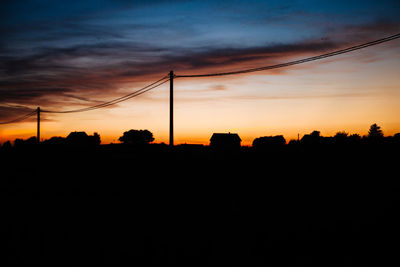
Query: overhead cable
(20, 118)
(117, 100)
(330, 54)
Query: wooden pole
(171, 108)
(38, 125)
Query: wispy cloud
(52, 76)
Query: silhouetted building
(267, 142)
(82, 139)
(77, 138)
(312, 139)
(225, 141)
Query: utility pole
(38, 125)
(171, 108)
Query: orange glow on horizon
(343, 95)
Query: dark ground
(290, 206)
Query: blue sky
(183, 23)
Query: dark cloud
(234, 56)
(107, 66)
(41, 32)
(54, 76)
(31, 96)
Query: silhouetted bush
(55, 141)
(341, 139)
(355, 139)
(137, 137)
(95, 139)
(20, 143)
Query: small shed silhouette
(225, 141)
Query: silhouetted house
(312, 139)
(225, 141)
(77, 138)
(268, 142)
(82, 139)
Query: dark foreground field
(192, 206)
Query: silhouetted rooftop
(77, 135)
(225, 136)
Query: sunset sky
(63, 55)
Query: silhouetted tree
(95, 139)
(340, 138)
(355, 139)
(396, 138)
(393, 140)
(55, 140)
(18, 142)
(375, 132)
(31, 141)
(137, 137)
(6, 145)
(341, 135)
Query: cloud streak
(53, 76)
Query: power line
(167, 78)
(102, 105)
(117, 100)
(330, 54)
(20, 118)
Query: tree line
(132, 137)
(375, 136)
(142, 137)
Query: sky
(62, 55)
